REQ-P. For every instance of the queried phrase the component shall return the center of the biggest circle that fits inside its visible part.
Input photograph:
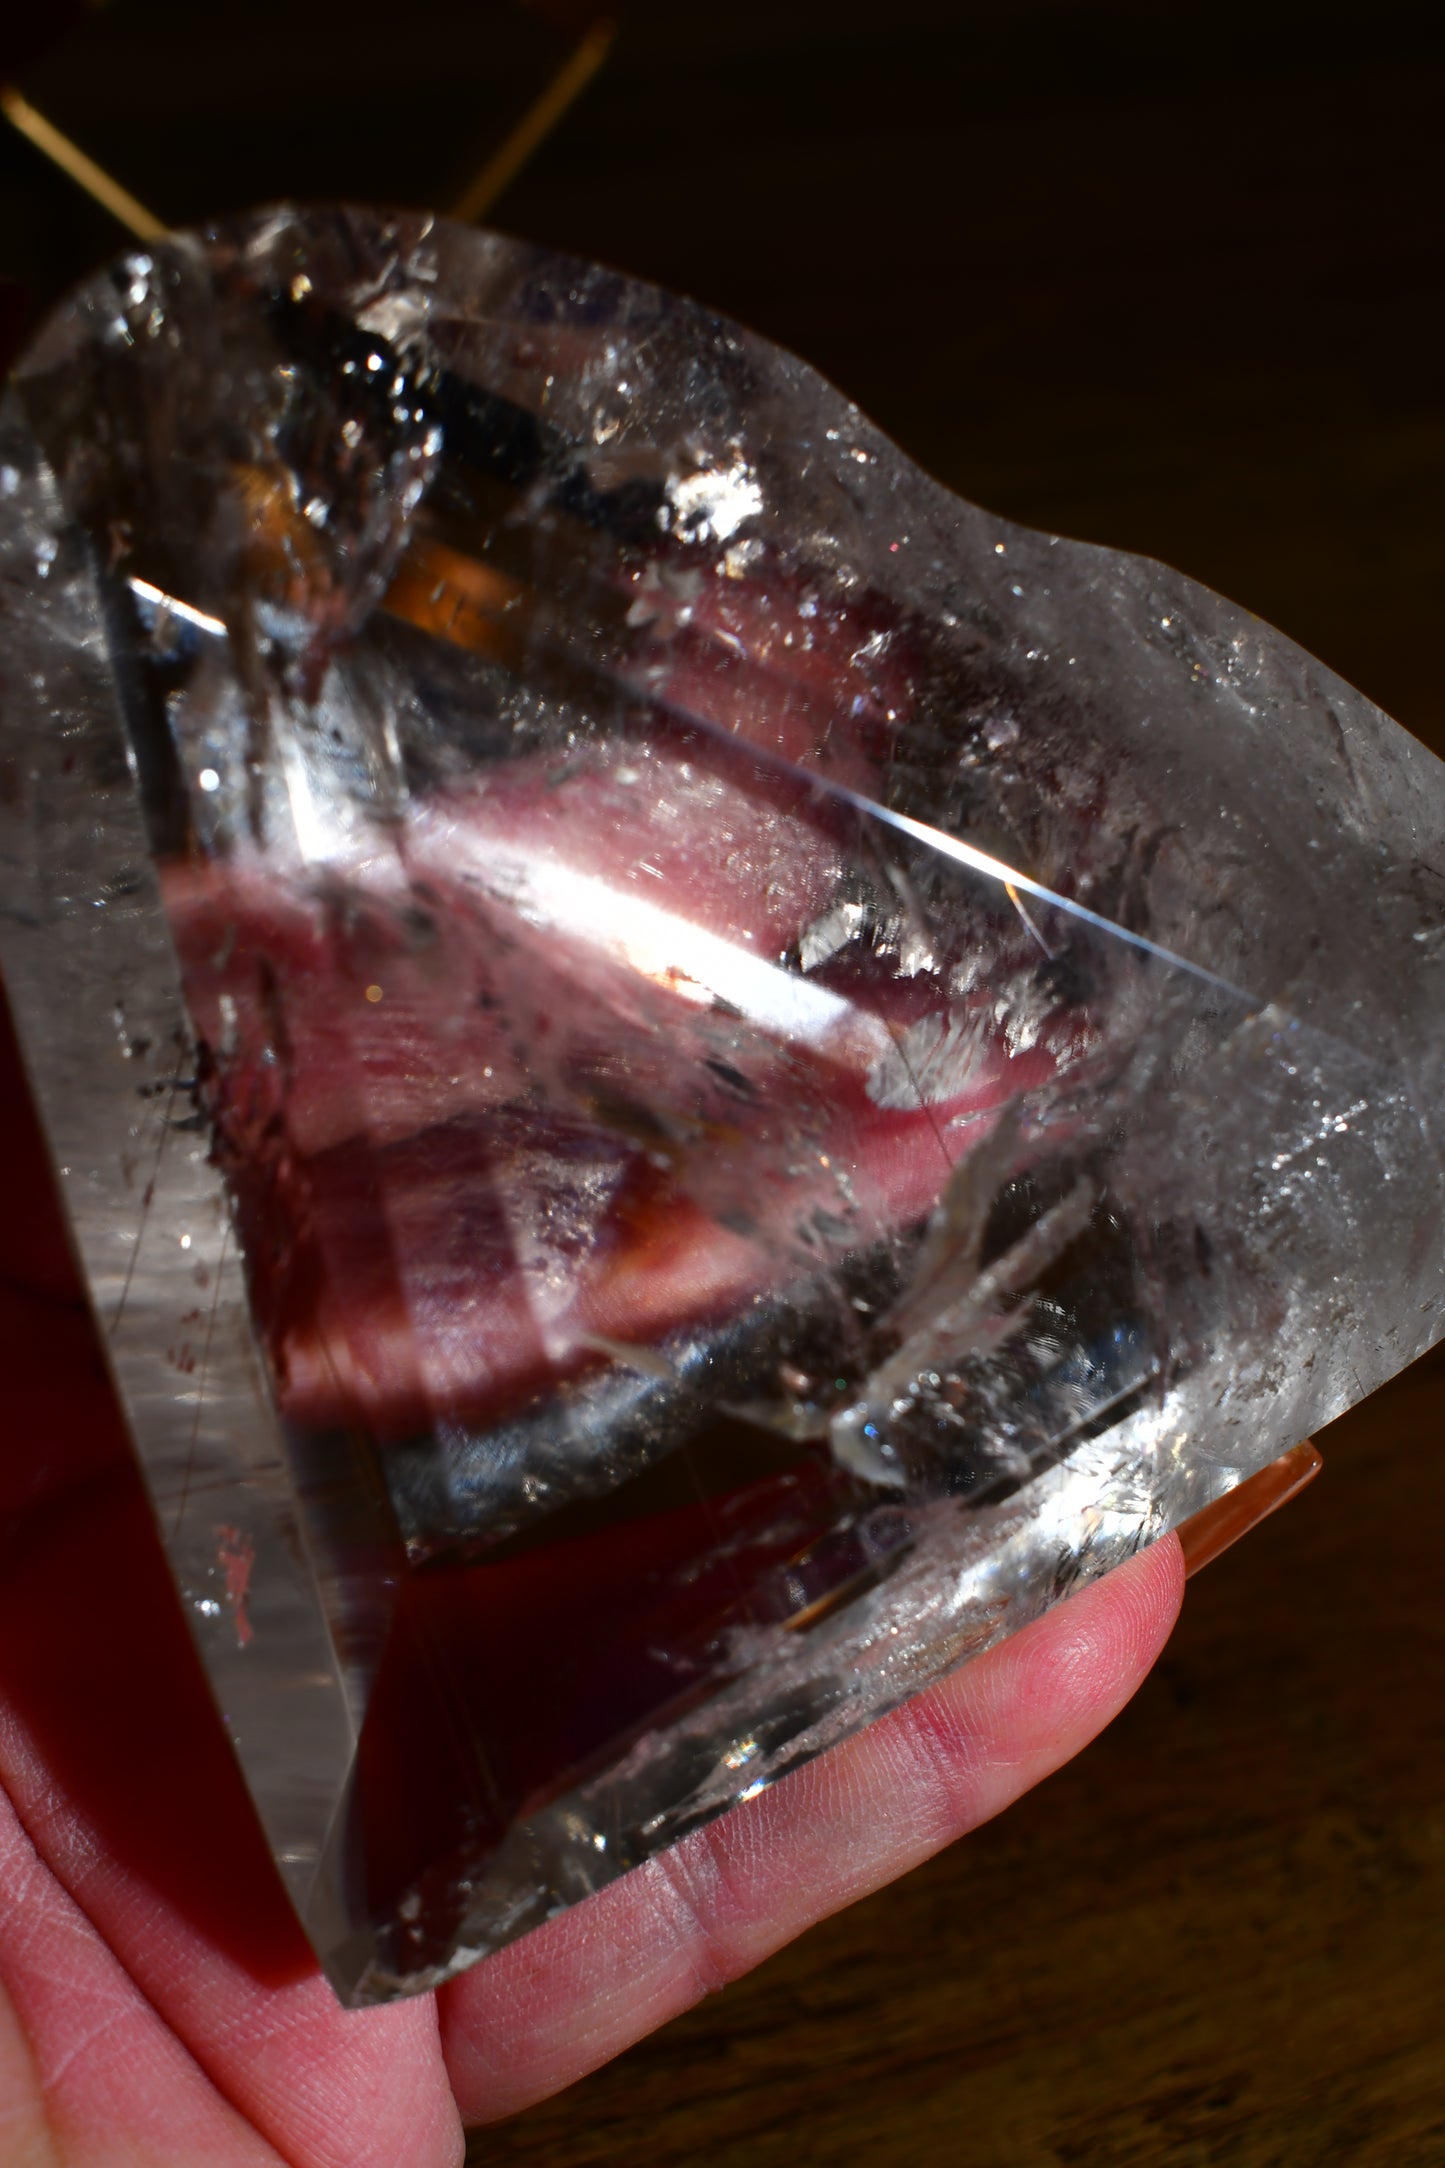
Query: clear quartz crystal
(690, 1076)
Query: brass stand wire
(507, 161)
(500, 170)
(84, 171)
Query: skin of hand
(158, 2004)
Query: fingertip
(1058, 1682)
(1129, 1614)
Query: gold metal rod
(84, 171)
(507, 161)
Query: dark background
(1169, 278)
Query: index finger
(576, 1992)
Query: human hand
(158, 2003)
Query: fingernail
(1204, 1535)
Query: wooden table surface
(1169, 279)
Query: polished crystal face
(691, 1077)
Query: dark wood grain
(1170, 279)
